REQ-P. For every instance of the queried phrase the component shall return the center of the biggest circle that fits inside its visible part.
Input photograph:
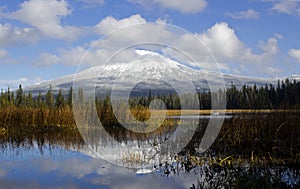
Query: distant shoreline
(226, 111)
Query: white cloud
(278, 36)
(266, 58)
(272, 71)
(70, 57)
(271, 47)
(46, 17)
(3, 53)
(249, 14)
(183, 6)
(46, 59)
(10, 35)
(286, 6)
(266, 62)
(231, 52)
(222, 40)
(295, 53)
(109, 24)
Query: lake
(30, 164)
(61, 159)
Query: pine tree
(39, 101)
(50, 98)
(19, 97)
(29, 100)
(70, 97)
(9, 96)
(12, 98)
(3, 99)
(60, 100)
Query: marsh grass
(11, 117)
(261, 137)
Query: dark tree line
(285, 95)
(19, 99)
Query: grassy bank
(35, 118)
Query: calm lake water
(55, 166)
(62, 160)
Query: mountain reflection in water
(59, 162)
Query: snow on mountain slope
(149, 67)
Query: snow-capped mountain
(152, 71)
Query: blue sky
(42, 40)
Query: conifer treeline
(21, 99)
(286, 95)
